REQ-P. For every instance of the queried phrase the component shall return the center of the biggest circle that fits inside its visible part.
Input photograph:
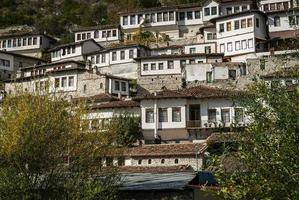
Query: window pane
(149, 116)
(225, 115)
(212, 115)
(163, 115)
(176, 114)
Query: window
(229, 10)
(165, 16)
(209, 77)
(78, 36)
(182, 16)
(276, 21)
(149, 116)
(104, 34)
(257, 22)
(266, 7)
(239, 115)
(153, 66)
(225, 115)
(163, 115)
(189, 15)
(63, 82)
(272, 6)
(88, 35)
(222, 48)
(170, 64)
(249, 22)
(71, 81)
(35, 41)
(159, 17)
(207, 11)
(171, 16)
(162, 161)
(139, 162)
(114, 33)
(122, 55)
(161, 66)
(97, 59)
(147, 18)
(229, 47)
(197, 14)
(131, 53)
(237, 25)
(250, 43)
(176, 114)
(237, 45)
(84, 89)
(14, 43)
(176, 161)
(244, 8)
(221, 28)
(285, 5)
(123, 86)
(153, 18)
(244, 44)
(232, 74)
(212, 115)
(191, 61)
(149, 161)
(209, 36)
(116, 85)
(278, 5)
(243, 23)
(236, 9)
(228, 26)
(114, 56)
(103, 58)
(4, 44)
(214, 10)
(208, 50)
(145, 67)
(96, 34)
(19, 42)
(132, 19)
(243, 70)
(125, 20)
(192, 50)
(83, 36)
(108, 34)
(73, 49)
(56, 82)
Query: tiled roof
(20, 33)
(223, 137)
(195, 55)
(73, 43)
(100, 27)
(21, 55)
(213, 20)
(193, 92)
(117, 104)
(182, 6)
(166, 169)
(96, 98)
(55, 63)
(165, 150)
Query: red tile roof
(165, 150)
(117, 104)
(193, 92)
(156, 170)
(97, 98)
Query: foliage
(126, 128)
(46, 155)
(266, 164)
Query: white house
(229, 7)
(205, 48)
(180, 21)
(241, 33)
(188, 114)
(103, 35)
(11, 62)
(29, 44)
(276, 5)
(118, 60)
(173, 64)
(74, 51)
(68, 79)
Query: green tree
(266, 163)
(46, 154)
(126, 128)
